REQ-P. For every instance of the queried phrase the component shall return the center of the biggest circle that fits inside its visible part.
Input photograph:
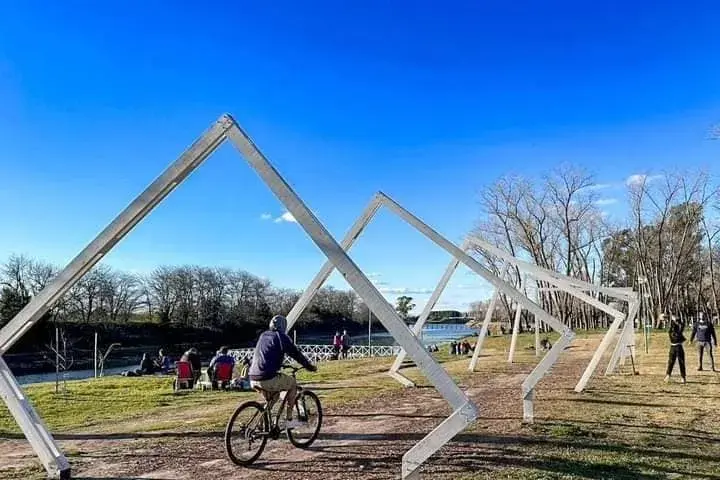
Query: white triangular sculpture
(574, 287)
(224, 129)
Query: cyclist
(270, 351)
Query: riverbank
(126, 358)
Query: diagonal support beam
(444, 432)
(516, 325)
(316, 284)
(113, 233)
(542, 369)
(557, 278)
(422, 319)
(483, 331)
(32, 425)
(625, 341)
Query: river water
(435, 334)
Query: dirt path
(365, 440)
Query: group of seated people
(163, 364)
(150, 366)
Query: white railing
(322, 353)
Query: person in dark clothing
(345, 340)
(705, 333)
(147, 367)
(677, 352)
(164, 362)
(270, 351)
(193, 357)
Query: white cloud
(285, 217)
(600, 186)
(606, 201)
(405, 291)
(265, 216)
(640, 178)
(374, 275)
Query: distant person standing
(345, 343)
(705, 333)
(337, 344)
(677, 352)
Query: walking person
(677, 352)
(705, 333)
(337, 345)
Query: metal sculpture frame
(574, 287)
(578, 288)
(225, 128)
(459, 256)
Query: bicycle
(256, 423)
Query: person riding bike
(264, 373)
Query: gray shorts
(279, 383)
(705, 345)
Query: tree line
(189, 296)
(666, 247)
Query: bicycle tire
(229, 434)
(307, 395)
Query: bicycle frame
(273, 430)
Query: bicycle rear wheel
(307, 409)
(246, 433)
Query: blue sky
(426, 101)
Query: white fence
(322, 353)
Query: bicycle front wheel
(309, 411)
(246, 434)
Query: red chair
(184, 377)
(223, 374)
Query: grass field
(623, 426)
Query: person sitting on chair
(270, 351)
(220, 358)
(193, 357)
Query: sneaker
(700, 369)
(290, 424)
(667, 378)
(683, 381)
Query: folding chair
(183, 376)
